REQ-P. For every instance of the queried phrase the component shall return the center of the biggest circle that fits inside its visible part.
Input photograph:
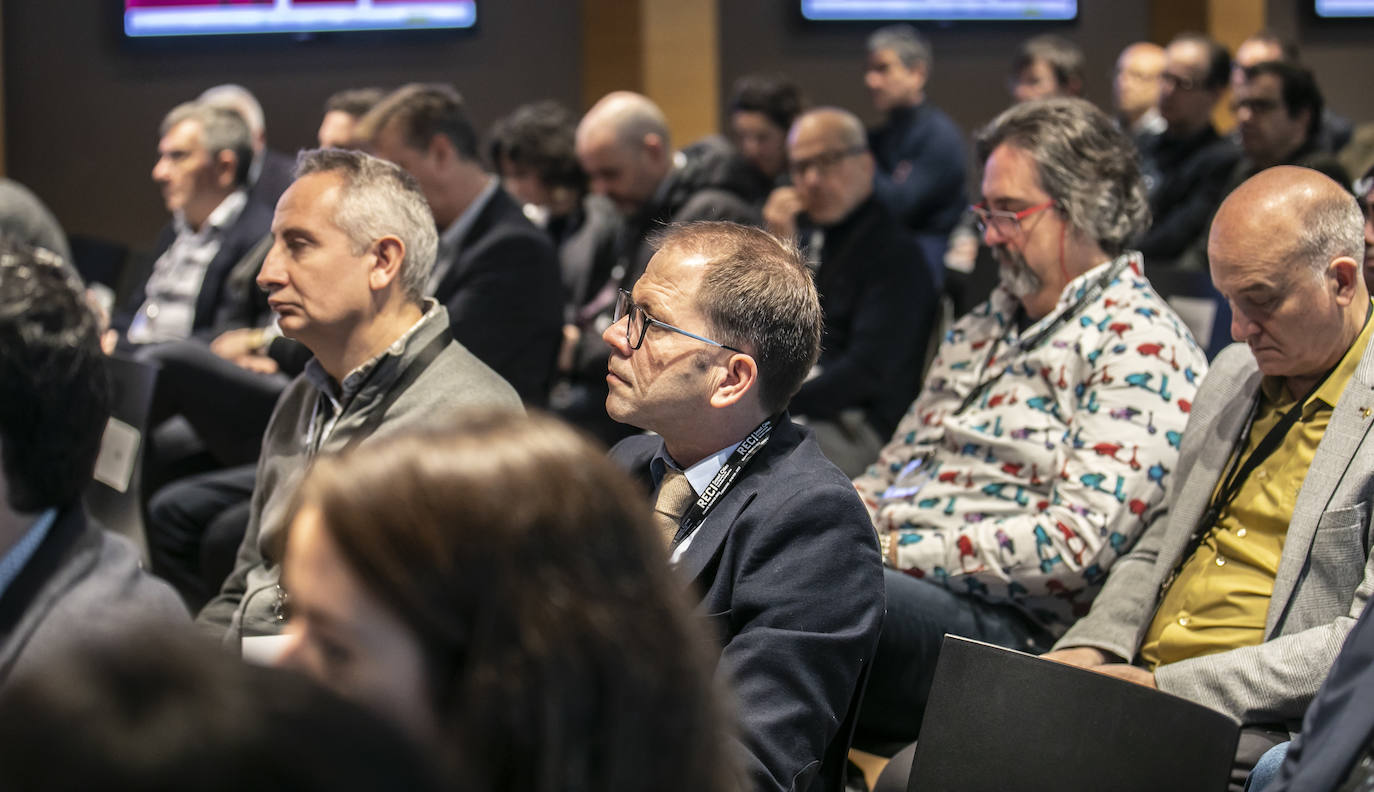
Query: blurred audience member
(1187, 165)
(534, 150)
(918, 149)
(202, 167)
(1041, 440)
(1046, 66)
(63, 580)
(496, 273)
(341, 113)
(1266, 45)
(354, 245)
(159, 712)
(714, 341)
(624, 146)
(25, 219)
(1240, 596)
(497, 588)
(269, 173)
(877, 292)
(1278, 111)
(761, 110)
(1136, 89)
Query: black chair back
(112, 497)
(1000, 720)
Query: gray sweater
(455, 380)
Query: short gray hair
(380, 199)
(910, 47)
(1332, 227)
(1088, 166)
(242, 101)
(221, 129)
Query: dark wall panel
(1338, 52)
(83, 106)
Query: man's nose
(614, 336)
(1242, 326)
(272, 273)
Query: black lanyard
(1089, 296)
(1238, 470)
(725, 478)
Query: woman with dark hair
(497, 588)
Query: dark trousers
(195, 526)
(918, 616)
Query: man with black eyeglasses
(706, 352)
(878, 293)
(1048, 424)
(1186, 166)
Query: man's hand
(1081, 656)
(781, 210)
(235, 344)
(1128, 672)
(261, 364)
(567, 351)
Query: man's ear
(388, 254)
(226, 166)
(741, 378)
(441, 149)
(1345, 275)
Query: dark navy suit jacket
(788, 570)
(1340, 720)
(505, 298)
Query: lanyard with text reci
(725, 478)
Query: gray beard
(1016, 276)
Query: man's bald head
(1297, 213)
(832, 169)
(1286, 249)
(624, 145)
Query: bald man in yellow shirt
(1241, 595)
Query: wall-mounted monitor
(939, 10)
(151, 18)
(1345, 9)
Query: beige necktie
(674, 496)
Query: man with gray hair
(202, 167)
(877, 295)
(919, 150)
(1043, 437)
(269, 173)
(1240, 597)
(353, 246)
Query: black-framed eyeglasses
(1180, 82)
(638, 325)
(824, 161)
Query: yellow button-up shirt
(1220, 598)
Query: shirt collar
(223, 215)
(698, 475)
(14, 561)
(453, 235)
(353, 381)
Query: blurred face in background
(761, 142)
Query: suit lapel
(711, 534)
(483, 223)
(1344, 435)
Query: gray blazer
(1324, 577)
(83, 584)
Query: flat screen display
(1345, 9)
(144, 18)
(939, 10)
